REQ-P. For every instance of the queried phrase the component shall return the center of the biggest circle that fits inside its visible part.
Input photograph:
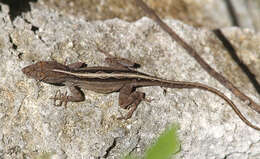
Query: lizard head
(35, 71)
(41, 69)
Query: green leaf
(166, 146)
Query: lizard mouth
(25, 70)
(28, 70)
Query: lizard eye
(38, 76)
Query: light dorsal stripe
(107, 75)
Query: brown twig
(232, 13)
(233, 53)
(194, 54)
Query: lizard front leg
(129, 99)
(77, 65)
(76, 96)
(118, 61)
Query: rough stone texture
(200, 13)
(194, 12)
(30, 126)
(248, 13)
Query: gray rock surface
(200, 13)
(247, 13)
(30, 126)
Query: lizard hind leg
(129, 99)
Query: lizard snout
(25, 70)
(29, 71)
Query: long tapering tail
(189, 85)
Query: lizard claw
(61, 97)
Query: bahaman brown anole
(120, 76)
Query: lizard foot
(61, 98)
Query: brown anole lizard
(120, 77)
